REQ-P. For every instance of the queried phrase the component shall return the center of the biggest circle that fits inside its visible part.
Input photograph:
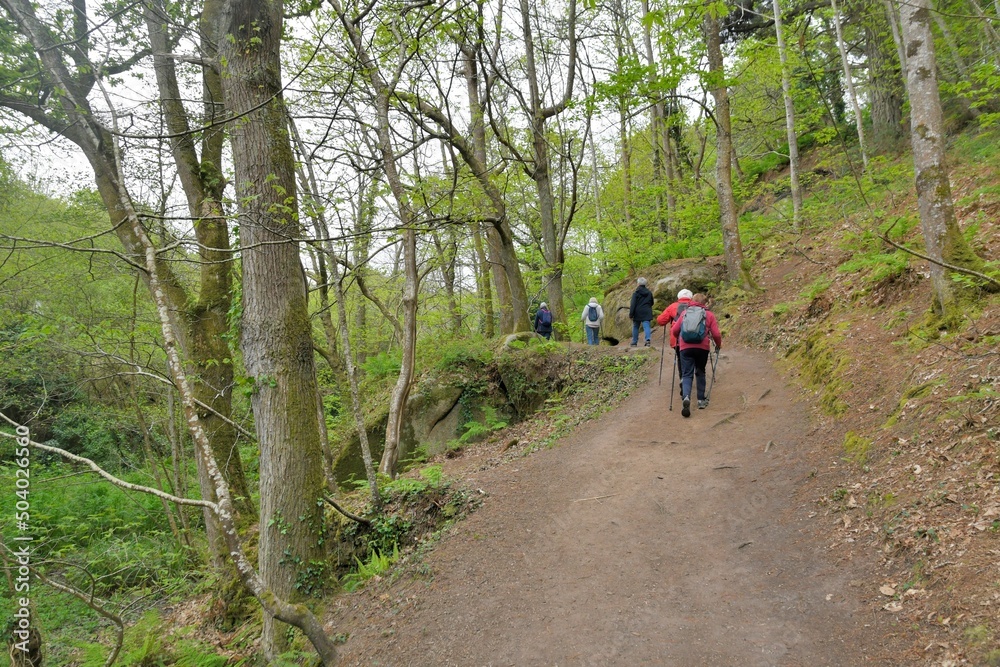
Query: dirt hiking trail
(643, 538)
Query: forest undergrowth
(907, 414)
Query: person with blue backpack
(695, 331)
(592, 317)
(543, 321)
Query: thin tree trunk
(390, 167)
(657, 125)
(483, 287)
(512, 297)
(147, 450)
(849, 81)
(892, 14)
(885, 85)
(177, 461)
(793, 143)
(626, 166)
(731, 243)
(541, 168)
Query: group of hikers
(693, 328)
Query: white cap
(641, 281)
(684, 294)
(543, 305)
(593, 301)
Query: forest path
(643, 538)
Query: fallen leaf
(893, 607)
(851, 502)
(887, 590)
(917, 470)
(847, 521)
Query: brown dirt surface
(641, 538)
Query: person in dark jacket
(640, 310)
(543, 321)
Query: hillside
(862, 499)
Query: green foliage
(383, 364)
(148, 643)
(430, 477)
(377, 564)
(463, 353)
(104, 537)
(474, 430)
(822, 366)
(878, 266)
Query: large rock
(664, 280)
(431, 418)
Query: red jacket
(669, 315)
(711, 333)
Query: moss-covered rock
(664, 280)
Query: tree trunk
(542, 164)
(793, 143)
(885, 84)
(276, 335)
(657, 126)
(943, 239)
(202, 182)
(404, 210)
(401, 390)
(849, 81)
(483, 287)
(731, 243)
(512, 297)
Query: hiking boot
(686, 410)
(702, 403)
(646, 344)
(633, 345)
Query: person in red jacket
(667, 317)
(694, 354)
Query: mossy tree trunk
(203, 183)
(198, 320)
(276, 335)
(943, 239)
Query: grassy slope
(908, 416)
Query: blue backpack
(592, 315)
(545, 317)
(693, 324)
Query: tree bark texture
(203, 183)
(731, 243)
(849, 81)
(276, 335)
(943, 239)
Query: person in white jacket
(592, 317)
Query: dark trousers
(693, 362)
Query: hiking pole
(714, 364)
(673, 377)
(663, 348)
